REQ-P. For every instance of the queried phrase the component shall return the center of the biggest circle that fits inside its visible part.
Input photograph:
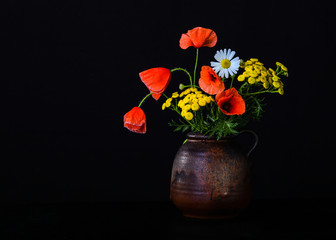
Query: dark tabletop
(263, 219)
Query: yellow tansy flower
(183, 113)
(251, 80)
(263, 73)
(257, 67)
(247, 73)
(254, 74)
(281, 91)
(175, 95)
(279, 64)
(186, 100)
(202, 102)
(275, 78)
(250, 67)
(195, 107)
(241, 78)
(284, 68)
(188, 115)
(276, 84)
(187, 107)
(207, 99)
(180, 103)
(266, 85)
(262, 79)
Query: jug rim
(200, 136)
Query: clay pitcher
(211, 178)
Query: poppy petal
(230, 102)
(210, 82)
(198, 37)
(223, 104)
(135, 120)
(156, 80)
(228, 92)
(185, 41)
(237, 105)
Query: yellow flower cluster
(168, 102)
(255, 72)
(284, 70)
(190, 100)
(193, 99)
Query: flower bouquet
(221, 100)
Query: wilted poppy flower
(135, 120)
(156, 80)
(210, 82)
(230, 102)
(198, 37)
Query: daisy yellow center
(225, 63)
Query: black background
(69, 72)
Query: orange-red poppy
(135, 120)
(230, 102)
(210, 82)
(198, 37)
(156, 80)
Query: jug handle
(256, 140)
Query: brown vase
(211, 178)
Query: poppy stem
(149, 94)
(184, 70)
(195, 66)
(188, 86)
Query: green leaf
(185, 128)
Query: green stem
(241, 87)
(144, 99)
(266, 91)
(232, 78)
(192, 125)
(195, 66)
(186, 86)
(184, 70)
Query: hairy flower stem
(184, 70)
(149, 94)
(195, 66)
(188, 86)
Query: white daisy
(225, 65)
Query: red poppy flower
(198, 37)
(230, 102)
(156, 80)
(135, 120)
(210, 82)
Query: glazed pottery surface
(211, 178)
